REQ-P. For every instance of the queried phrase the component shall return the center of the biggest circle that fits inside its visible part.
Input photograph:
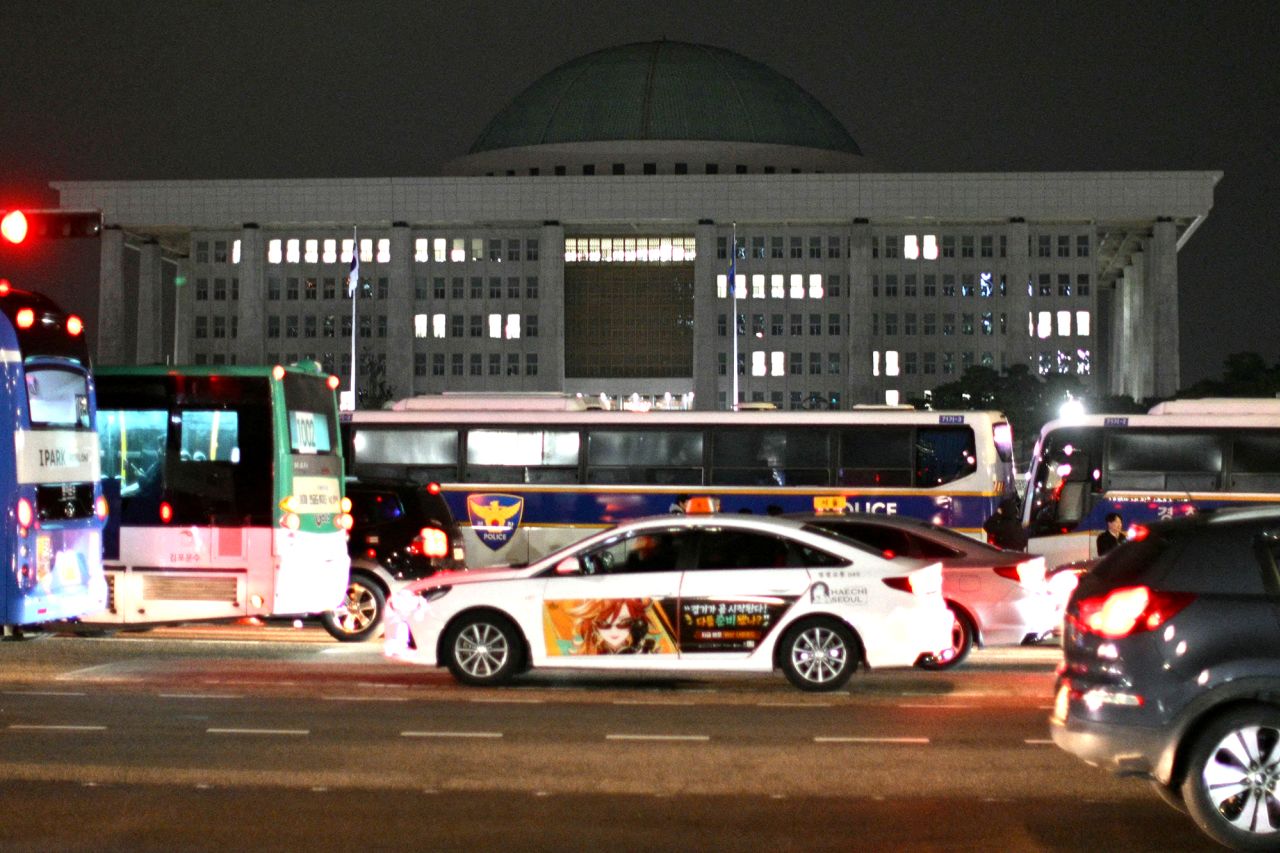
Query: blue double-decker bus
(53, 509)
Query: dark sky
(113, 89)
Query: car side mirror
(569, 566)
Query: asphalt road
(277, 738)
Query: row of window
(313, 326)
(451, 326)
(795, 400)
(1064, 362)
(795, 325)
(779, 286)
(594, 250)
(476, 364)
(679, 168)
(779, 363)
(793, 247)
(930, 247)
(927, 323)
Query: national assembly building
(661, 221)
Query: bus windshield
(58, 397)
(313, 426)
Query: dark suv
(1171, 669)
(403, 531)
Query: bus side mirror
(569, 566)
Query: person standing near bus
(1113, 535)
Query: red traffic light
(14, 226)
(18, 225)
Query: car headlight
(407, 603)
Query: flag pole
(733, 289)
(353, 287)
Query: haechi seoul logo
(494, 518)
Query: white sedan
(680, 593)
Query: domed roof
(664, 90)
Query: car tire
(1233, 778)
(963, 634)
(819, 654)
(483, 650)
(360, 615)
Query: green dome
(665, 90)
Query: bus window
(648, 457)
(1063, 480)
(943, 455)
(1165, 461)
(770, 457)
(875, 456)
(209, 436)
(132, 446)
(57, 398)
(1255, 463)
(522, 456)
(312, 425)
(424, 455)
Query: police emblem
(494, 518)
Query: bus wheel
(483, 649)
(359, 615)
(963, 634)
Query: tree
(372, 387)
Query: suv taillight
(1128, 610)
(431, 542)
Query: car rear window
(1131, 563)
(1218, 561)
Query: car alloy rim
(356, 613)
(819, 655)
(1241, 778)
(481, 649)
(957, 635)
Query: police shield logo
(494, 518)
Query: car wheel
(820, 654)
(963, 634)
(1232, 787)
(359, 615)
(483, 649)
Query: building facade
(647, 240)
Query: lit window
(722, 286)
(419, 325)
(513, 325)
(875, 363)
(273, 252)
(797, 286)
(458, 251)
(421, 250)
(1045, 325)
(1082, 323)
(910, 247)
(891, 362)
(757, 286)
(437, 325)
(777, 366)
(439, 250)
(931, 247)
(348, 248)
(891, 397)
(312, 250)
(366, 251)
(495, 325)
(1082, 362)
(739, 287)
(235, 251)
(330, 255)
(1064, 323)
(757, 363)
(291, 253)
(777, 286)
(815, 285)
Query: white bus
(1182, 456)
(525, 478)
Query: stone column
(113, 338)
(399, 308)
(707, 381)
(251, 334)
(860, 386)
(551, 356)
(1162, 293)
(1018, 346)
(149, 340)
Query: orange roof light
(26, 318)
(277, 373)
(74, 325)
(333, 382)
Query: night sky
(112, 89)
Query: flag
(353, 275)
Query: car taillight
(433, 488)
(926, 581)
(1128, 610)
(433, 542)
(25, 514)
(100, 508)
(1027, 573)
(1138, 532)
(166, 512)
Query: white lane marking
(200, 696)
(902, 740)
(42, 693)
(793, 704)
(504, 701)
(659, 737)
(29, 728)
(452, 734)
(675, 702)
(365, 698)
(937, 705)
(1032, 741)
(258, 731)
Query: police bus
(526, 476)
